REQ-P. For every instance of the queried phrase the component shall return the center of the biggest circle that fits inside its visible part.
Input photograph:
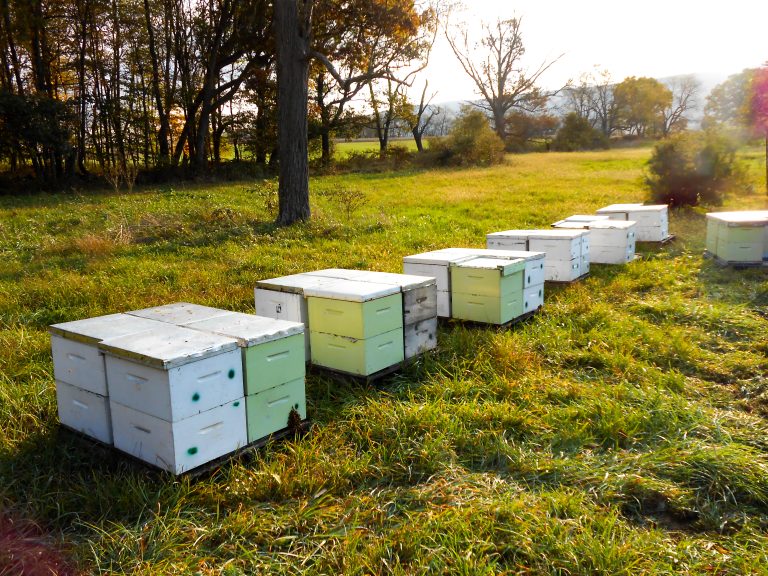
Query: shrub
(470, 143)
(577, 133)
(692, 168)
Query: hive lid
(340, 273)
(295, 283)
(612, 224)
(179, 313)
(507, 254)
(404, 281)
(505, 266)
(632, 208)
(743, 217)
(94, 330)
(248, 329)
(352, 290)
(538, 234)
(443, 257)
(168, 346)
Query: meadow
(622, 430)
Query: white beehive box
(179, 313)
(738, 237)
(77, 359)
(610, 241)
(283, 298)
(172, 372)
(652, 220)
(567, 251)
(356, 327)
(84, 411)
(272, 350)
(182, 445)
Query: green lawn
(621, 431)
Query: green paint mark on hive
(195, 397)
(236, 404)
(192, 451)
(231, 373)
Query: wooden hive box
(652, 219)
(273, 368)
(82, 391)
(419, 304)
(610, 241)
(567, 251)
(738, 237)
(176, 396)
(356, 327)
(487, 290)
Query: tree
(577, 133)
(758, 110)
(420, 116)
(727, 105)
(641, 103)
(494, 64)
(684, 90)
(593, 99)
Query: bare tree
(494, 63)
(684, 91)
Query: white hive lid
(404, 281)
(586, 218)
(620, 208)
(757, 217)
(248, 329)
(539, 234)
(168, 346)
(611, 225)
(504, 265)
(352, 290)
(295, 283)
(179, 313)
(506, 254)
(444, 256)
(94, 330)
(340, 273)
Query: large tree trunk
(417, 138)
(292, 40)
(162, 114)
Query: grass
(623, 430)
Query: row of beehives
(738, 237)
(178, 385)
(607, 237)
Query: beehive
(419, 304)
(610, 241)
(283, 299)
(355, 327)
(176, 396)
(273, 367)
(179, 313)
(488, 290)
(82, 393)
(738, 237)
(567, 251)
(652, 220)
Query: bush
(577, 133)
(470, 143)
(692, 168)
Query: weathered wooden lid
(612, 225)
(94, 330)
(179, 313)
(294, 283)
(405, 281)
(351, 290)
(741, 218)
(580, 220)
(248, 329)
(168, 346)
(537, 234)
(441, 257)
(633, 208)
(505, 266)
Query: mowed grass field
(623, 430)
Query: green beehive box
(487, 309)
(495, 280)
(354, 309)
(267, 412)
(361, 357)
(713, 227)
(273, 350)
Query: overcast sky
(655, 38)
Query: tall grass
(622, 430)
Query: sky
(656, 38)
